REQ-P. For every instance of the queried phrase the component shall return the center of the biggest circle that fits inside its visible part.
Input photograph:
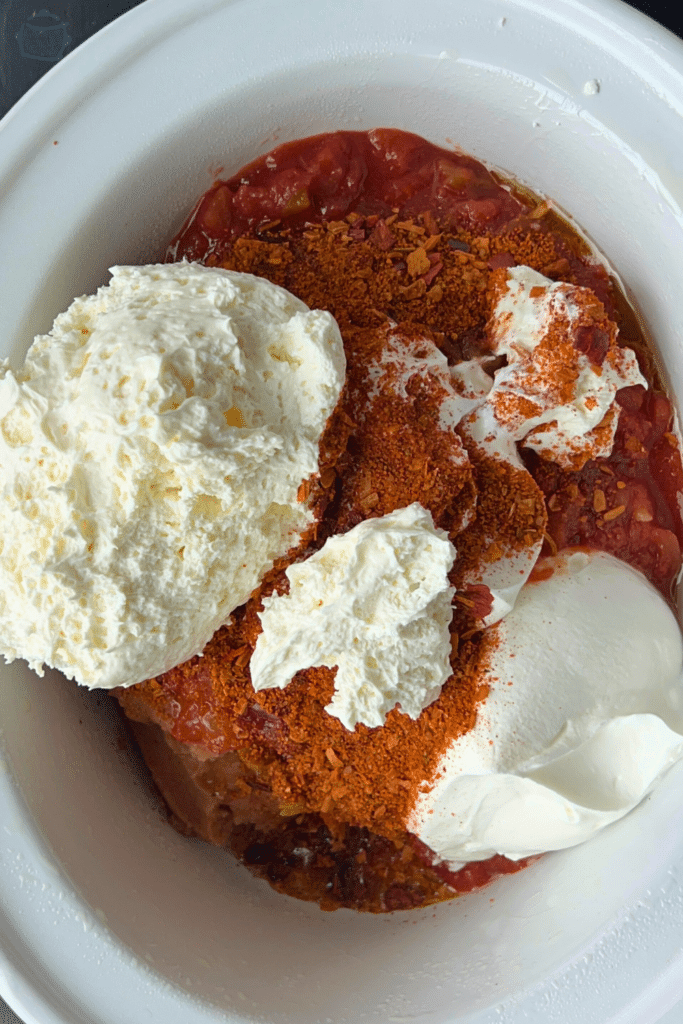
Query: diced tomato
(215, 213)
(192, 708)
(395, 154)
(593, 342)
(286, 194)
(475, 214)
(271, 729)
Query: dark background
(30, 45)
(32, 42)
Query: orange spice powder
(382, 450)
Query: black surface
(669, 14)
(34, 36)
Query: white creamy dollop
(374, 602)
(551, 395)
(584, 714)
(463, 386)
(151, 451)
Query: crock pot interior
(186, 910)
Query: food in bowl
(388, 233)
(466, 655)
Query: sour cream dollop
(584, 714)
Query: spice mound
(497, 381)
(153, 447)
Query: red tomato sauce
(329, 176)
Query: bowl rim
(24, 127)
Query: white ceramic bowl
(106, 915)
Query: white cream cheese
(151, 450)
(374, 602)
(584, 714)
